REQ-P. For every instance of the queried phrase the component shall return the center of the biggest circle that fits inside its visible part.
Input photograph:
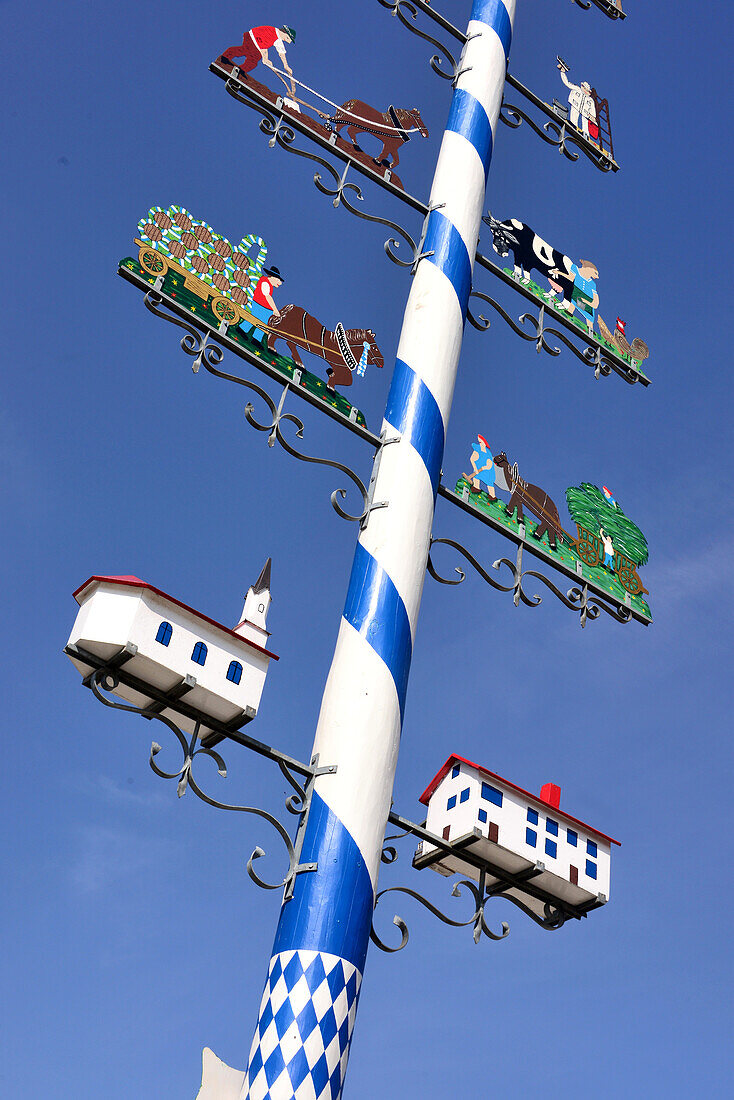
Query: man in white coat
(581, 103)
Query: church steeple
(262, 584)
(255, 612)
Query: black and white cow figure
(531, 253)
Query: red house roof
(526, 794)
(135, 582)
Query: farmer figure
(255, 45)
(581, 283)
(262, 305)
(483, 468)
(608, 550)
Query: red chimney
(551, 794)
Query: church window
(234, 672)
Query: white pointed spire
(255, 612)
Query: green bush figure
(594, 509)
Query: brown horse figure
(394, 126)
(533, 497)
(342, 349)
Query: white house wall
(512, 822)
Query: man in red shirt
(255, 45)
(262, 305)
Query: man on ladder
(255, 45)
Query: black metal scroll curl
(476, 920)
(276, 435)
(590, 354)
(557, 134)
(551, 132)
(577, 599)
(210, 355)
(611, 8)
(400, 7)
(106, 680)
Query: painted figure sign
(235, 287)
(587, 112)
(572, 284)
(386, 131)
(608, 546)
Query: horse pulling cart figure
(217, 280)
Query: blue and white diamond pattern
(301, 1044)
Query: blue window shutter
(451, 802)
(531, 837)
(551, 848)
(551, 826)
(455, 771)
(234, 672)
(491, 794)
(483, 816)
(199, 653)
(464, 795)
(532, 816)
(165, 630)
(572, 837)
(591, 848)
(590, 869)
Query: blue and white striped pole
(301, 1044)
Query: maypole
(307, 1014)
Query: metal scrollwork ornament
(107, 680)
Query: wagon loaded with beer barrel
(214, 279)
(223, 275)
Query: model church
(166, 650)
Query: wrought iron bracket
(584, 345)
(584, 597)
(407, 12)
(611, 8)
(210, 355)
(104, 678)
(555, 913)
(557, 131)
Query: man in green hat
(255, 45)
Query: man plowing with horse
(255, 45)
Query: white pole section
(301, 1044)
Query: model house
(159, 643)
(518, 834)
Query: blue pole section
(304, 1030)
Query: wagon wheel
(587, 547)
(628, 577)
(151, 261)
(225, 310)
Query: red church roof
(526, 794)
(135, 582)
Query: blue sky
(132, 934)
